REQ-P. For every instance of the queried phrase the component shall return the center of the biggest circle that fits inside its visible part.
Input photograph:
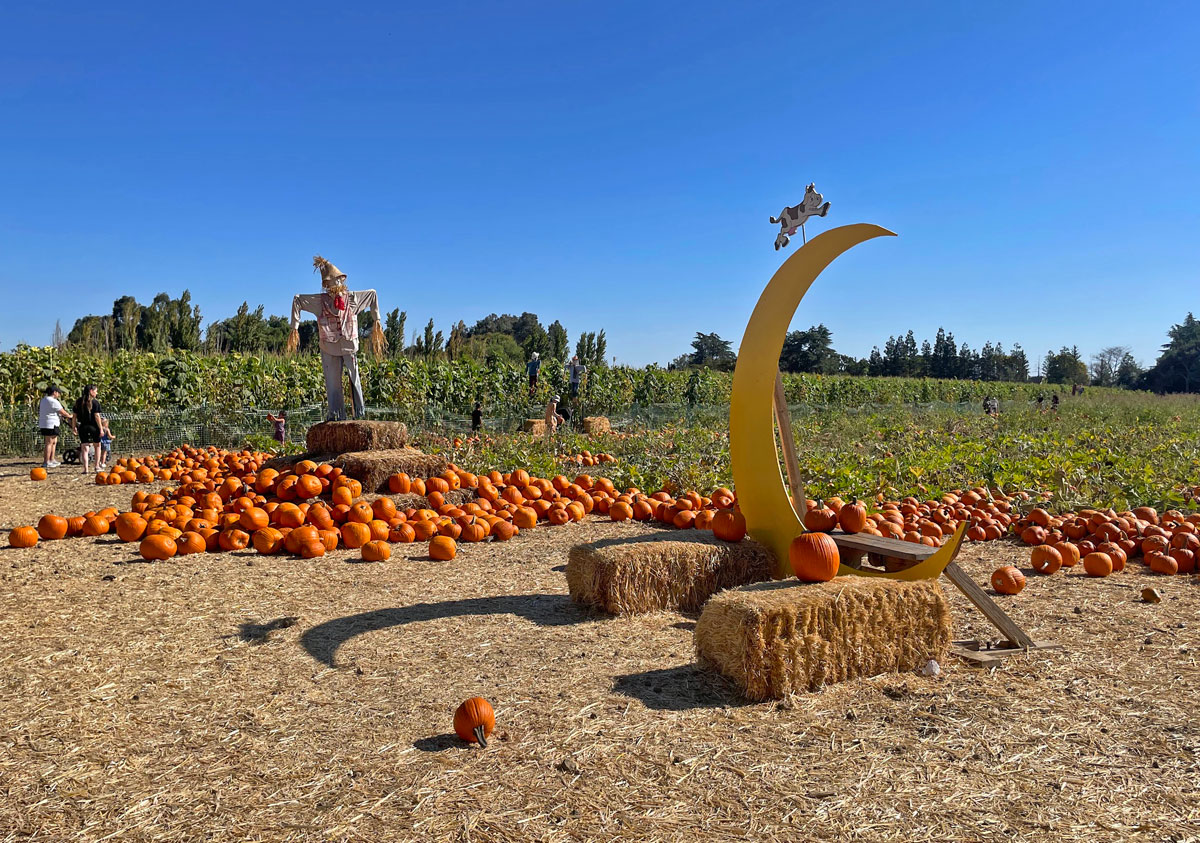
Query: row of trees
(812, 351)
(175, 324)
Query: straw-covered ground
(238, 697)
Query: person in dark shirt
(88, 424)
(278, 424)
(477, 417)
(532, 368)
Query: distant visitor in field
(790, 219)
(51, 412)
(477, 417)
(575, 371)
(278, 426)
(88, 425)
(106, 440)
(532, 368)
(553, 419)
(337, 309)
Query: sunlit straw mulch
(177, 701)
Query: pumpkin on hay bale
(777, 638)
(373, 468)
(652, 573)
(341, 437)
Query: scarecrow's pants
(332, 365)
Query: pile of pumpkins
(225, 502)
(928, 522)
(1104, 541)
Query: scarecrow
(337, 309)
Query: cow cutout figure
(791, 219)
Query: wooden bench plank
(986, 605)
(910, 551)
(895, 548)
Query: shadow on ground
(678, 689)
(439, 743)
(258, 633)
(323, 640)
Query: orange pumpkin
(399, 484)
(443, 548)
(475, 720)
(729, 525)
(1069, 553)
(130, 527)
(233, 539)
(1098, 564)
(1008, 580)
(402, 533)
(1045, 559)
(376, 551)
(158, 547)
(189, 543)
(38, 473)
(814, 557)
(853, 517)
(820, 519)
(52, 527)
(356, 533)
(253, 519)
(502, 531)
(267, 540)
(95, 525)
(23, 537)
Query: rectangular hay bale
(341, 437)
(784, 637)
(373, 468)
(678, 571)
(595, 425)
(535, 426)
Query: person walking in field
(477, 417)
(532, 368)
(575, 372)
(50, 415)
(553, 419)
(278, 426)
(88, 424)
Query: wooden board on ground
(895, 555)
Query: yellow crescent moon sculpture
(761, 491)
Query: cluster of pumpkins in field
(929, 522)
(1103, 541)
(226, 501)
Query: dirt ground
(239, 697)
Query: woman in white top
(50, 415)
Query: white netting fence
(155, 432)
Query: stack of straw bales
(670, 571)
(777, 638)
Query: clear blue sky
(611, 165)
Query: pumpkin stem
(479, 736)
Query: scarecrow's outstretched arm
(364, 299)
(310, 302)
